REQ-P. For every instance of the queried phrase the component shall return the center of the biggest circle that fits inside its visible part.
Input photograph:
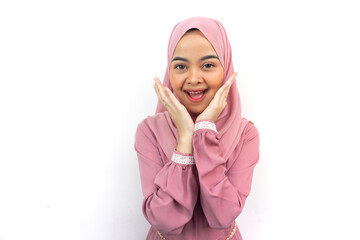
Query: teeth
(196, 92)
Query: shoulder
(145, 130)
(250, 135)
(148, 124)
(250, 132)
(247, 150)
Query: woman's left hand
(218, 103)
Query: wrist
(206, 118)
(185, 136)
(185, 145)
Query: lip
(196, 90)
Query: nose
(194, 77)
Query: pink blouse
(195, 197)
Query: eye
(179, 67)
(208, 65)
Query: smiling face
(195, 72)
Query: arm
(223, 193)
(170, 190)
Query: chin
(195, 112)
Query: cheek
(175, 82)
(216, 79)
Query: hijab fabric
(229, 124)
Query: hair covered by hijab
(229, 124)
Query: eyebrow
(179, 59)
(208, 56)
(201, 59)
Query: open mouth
(196, 95)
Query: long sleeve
(223, 191)
(170, 188)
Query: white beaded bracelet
(205, 125)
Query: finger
(165, 95)
(160, 88)
(217, 98)
(156, 86)
(227, 85)
(232, 77)
(172, 97)
(157, 90)
(160, 92)
(230, 80)
(175, 105)
(222, 94)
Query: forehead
(194, 43)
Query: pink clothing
(199, 196)
(229, 123)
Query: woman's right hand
(177, 111)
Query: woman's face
(195, 71)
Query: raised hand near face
(218, 103)
(177, 111)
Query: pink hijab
(229, 124)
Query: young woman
(197, 153)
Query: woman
(196, 154)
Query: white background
(76, 78)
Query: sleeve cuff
(181, 158)
(205, 124)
